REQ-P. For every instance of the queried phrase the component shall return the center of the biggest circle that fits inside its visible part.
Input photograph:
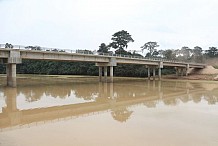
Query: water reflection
(81, 99)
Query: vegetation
(150, 46)
(7, 45)
(103, 48)
(119, 42)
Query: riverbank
(207, 77)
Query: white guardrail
(38, 48)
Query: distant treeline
(78, 68)
(120, 41)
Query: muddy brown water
(80, 111)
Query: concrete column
(159, 73)
(182, 71)
(159, 69)
(187, 68)
(105, 73)
(100, 73)
(111, 73)
(177, 74)
(149, 74)
(11, 75)
(153, 73)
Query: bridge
(13, 56)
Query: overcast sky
(85, 24)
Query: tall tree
(169, 54)
(185, 52)
(150, 46)
(120, 40)
(197, 51)
(197, 54)
(103, 48)
(212, 52)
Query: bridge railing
(38, 48)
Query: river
(80, 111)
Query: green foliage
(150, 46)
(103, 48)
(7, 45)
(197, 55)
(57, 68)
(168, 54)
(120, 40)
(212, 52)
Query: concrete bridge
(15, 55)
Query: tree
(185, 52)
(7, 45)
(212, 52)
(103, 48)
(120, 40)
(150, 46)
(197, 51)
(197, 54)
(169, 54)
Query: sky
(85, 24)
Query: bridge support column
(112, 62)
(11, 75)
(111, 73)
(149, 73)
(105, 73)
(153, 73)
(159, 73)
(187, 68)
(100, 73)
(159, 69)
(12, 61)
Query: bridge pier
(111, 73)
(154, 73)
(181, 71)
(159, 73)
(149, 67)
(159, 69)
(11, 63)
(111, 64)
(105, 73)
(149, 75)
(11, 75)
(100, 73)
